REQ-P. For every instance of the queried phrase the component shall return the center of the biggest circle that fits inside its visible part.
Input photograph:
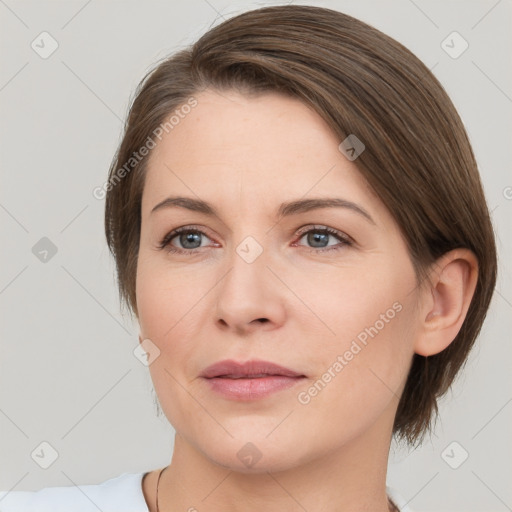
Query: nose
(249, 297)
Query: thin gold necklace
(393, 508)
(157, 484)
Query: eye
(188, 237)
(191, 238)
(319, 236)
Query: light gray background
(68, 375)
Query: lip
(250, 380)
(248, 369)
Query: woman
(299, 228)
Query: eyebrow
(285, 209)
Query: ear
(447, 296)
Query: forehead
(255, 150)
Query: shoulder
(120, 494)
(398, 500)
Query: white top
(120, 494)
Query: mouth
(250, 380)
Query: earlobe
(451, 288)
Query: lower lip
(251, 389)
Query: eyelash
(166, 242)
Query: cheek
(363, 359)
(168, 303)
(355, 303)
(164, 297)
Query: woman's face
(337, 309)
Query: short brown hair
(418, 158)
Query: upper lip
(254, 368)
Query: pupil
(189, 237)
(318, 237)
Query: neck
(348, 478)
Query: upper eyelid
(322, 227)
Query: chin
(252, 464)
(254, 454)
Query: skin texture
(245, 156)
